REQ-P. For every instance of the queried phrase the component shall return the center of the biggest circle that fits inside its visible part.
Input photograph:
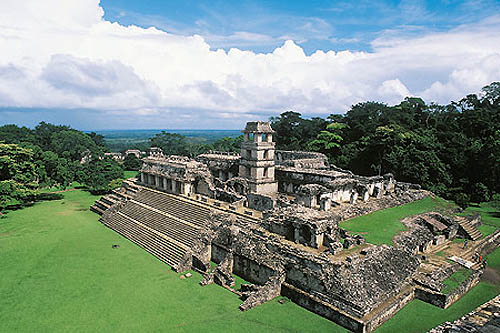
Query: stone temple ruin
(272, 217)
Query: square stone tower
(257, 158)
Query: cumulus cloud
(65, 55)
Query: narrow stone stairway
(469, 229)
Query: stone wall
(390, 309)
(322, 308)
(301, 159)
(445, 300)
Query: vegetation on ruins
(452, 150)
(51, 156)
(381, 226)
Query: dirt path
(491, 276)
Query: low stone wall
(321, 308)
(445, 300)
(389, 310)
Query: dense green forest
(452, 150)
(50, 155)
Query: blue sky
(122, 64)
(324, 25)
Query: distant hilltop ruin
(272, 217)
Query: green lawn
(489, 215)
(130, 174)
(59, 273)
(454, 280)
(421, 316)
(380, 227)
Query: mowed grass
(454, 280)
(419, 316)
(380, 227)
(59, 273)
(490, 217)
(130, 174)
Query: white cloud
(65, 55)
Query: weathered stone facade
(272, 218)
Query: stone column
(142, 177)
(165, 186)
(296, 234)
(157, 181)
(325, 204)
(173, 186)
(354, 197)
(187, 188)
(314, 240)
(229, 175)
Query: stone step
(160, 247)
(470, 230)
(96, 209)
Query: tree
(14, 134)
(227, 144)
(16, 163)
(171, 143)
(293, 132)
(98, 174)
(328, 140)
(17, 174)
(131, 162)
(71, 144)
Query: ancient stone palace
(272, 217)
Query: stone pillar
(354, 197)
(316, 239)
(296, 234)
(173, 186)
(313, 200)
(165, 184)
(221, 174)
(313, 240)
(325, 204)
(157, 181)
(187, 188)
(229, 175)
(142, 177)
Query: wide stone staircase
(127, 191)
(163, 248)
(471, 231)
(164, 224)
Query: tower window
(249, 153)
(264, 137)
(265, 172)
(251, 136)
(266, 154)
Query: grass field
(489, 215)
(453, 281)
(380, 227)
(59, 273)
(129, 174)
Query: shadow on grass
(494, 214)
